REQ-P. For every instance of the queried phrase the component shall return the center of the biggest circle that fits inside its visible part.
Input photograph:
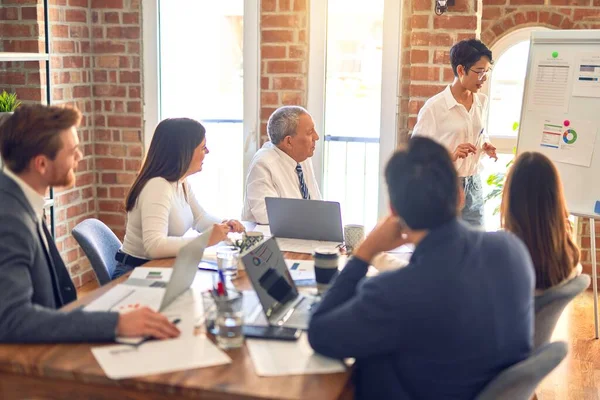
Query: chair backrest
(100, 245)
(550, 305)
(519, 381)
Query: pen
(149, 338)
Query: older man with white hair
(282, 167)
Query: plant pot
(3, 117)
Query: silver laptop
(305, 219)
(277, 293)
(184, 272)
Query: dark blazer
(34, 282)
(441, 327)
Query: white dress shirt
(449, 123)
(272, 173)
(160, 217)
(36, 201)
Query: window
(354, 54)
(505, 91)
(203, 51)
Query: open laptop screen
(269, 275)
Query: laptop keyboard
(159, 284)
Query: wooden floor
(578, 377)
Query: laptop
(305, 219)
(152, 292)
(277, 293)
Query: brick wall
(117, 94)
(284, 56)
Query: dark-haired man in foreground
(450, 321)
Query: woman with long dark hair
(534, 209)
(161, 205)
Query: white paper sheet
(154, 273)
(301, 269)
(157, 357)
(587, 75)
(551, 78)
(277, 358)
(572, 144)
(303, 246)
(405, 248)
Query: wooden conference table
(70, 371)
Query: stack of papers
(303, 246)
(277, 358)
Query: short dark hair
(467, 53)
(423, 184)
(170, 154)
(34, 130)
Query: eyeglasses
(481, 74)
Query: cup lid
(326, 252)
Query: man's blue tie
(303, 187)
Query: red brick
(284, 67)
(586, 13)
(129, 77)
(532, 16)
(566, 11)
(414, 106)
(124, 121)
(79, 31)
(494, 3)
(75, 16)
(567, 23)
(425, 90)
(281, 36)
(285, 5)
(441, 57)
(419, 56)
(290, 83)
(282, 21)
(269, 98)
(419, 73)
(442, 40)
(133, 165)
(420, 38)
(297, 52)
(117, 32)
(265, 112)
(463, 6)
(134, 107)
(125, 178)
(492, 12)
(109, 163)
(107, 4)
(33, 94)
(268, 5)
(108, 47)
(110, 91)
(112, 220)
(110, 206)
(422, 5)
(135, 150)
(76, 210)
(300, 5)
(272, 52)
(11, 13)
(448, 75)
(455, 22)
(118, 192)
(292, 98)
(12, 78)
(420, 21)
(107, 61)
(78, 3)
(15, 30)
(73, 62)
(544, 17)
(135, 92)
(302, 38)
(131, 18)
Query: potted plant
(8, 102)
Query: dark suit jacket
(34, 284)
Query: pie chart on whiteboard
(570, 136)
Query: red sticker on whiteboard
(567, 122)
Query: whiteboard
(560, 116)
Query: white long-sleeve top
(160, 217)
(449, 123)
(272, 173)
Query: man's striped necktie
(303, 187)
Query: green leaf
(8, 102)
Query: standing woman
(534, 209)
(455, 118)
(161, 206)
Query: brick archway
(524, 18)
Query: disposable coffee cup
(326, 267)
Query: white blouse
(160, 217)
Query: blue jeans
(472, 212)
(121, 269)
